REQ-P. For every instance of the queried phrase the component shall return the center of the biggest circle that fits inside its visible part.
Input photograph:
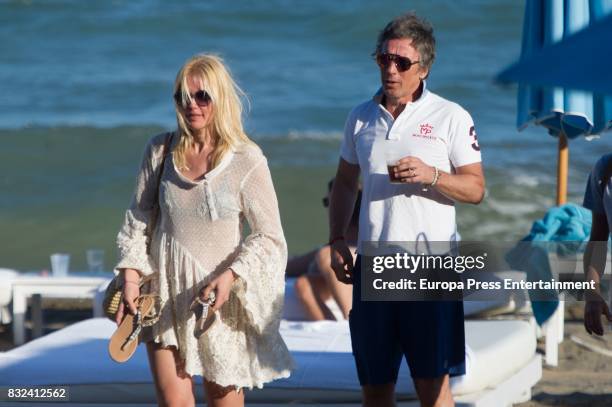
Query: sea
(84, 84)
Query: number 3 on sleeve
(475, 145)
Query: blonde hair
(224, 93)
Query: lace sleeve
(262, 257)
(132, 237)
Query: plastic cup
(392, 155)
(95, 260)
(60, 263)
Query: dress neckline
(209, 175)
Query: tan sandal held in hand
(124, 341)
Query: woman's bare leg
(173, 387)
(217, 396)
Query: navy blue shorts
(430, 334)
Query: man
(598, 198)
(443, 167)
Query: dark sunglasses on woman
(201, 98)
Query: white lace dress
(199, 235)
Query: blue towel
(569, 227)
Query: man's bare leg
(434, 392)
(381, 395)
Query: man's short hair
(411, 27)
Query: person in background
(316, 283)
(598, 198)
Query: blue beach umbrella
(565, 111)
(584, 60)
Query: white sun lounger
(502, 367)
(294, 311)
(506, 304)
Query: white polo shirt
(439, 132)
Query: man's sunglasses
(401, 63)
(325, 201)
(201, 98)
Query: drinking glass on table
(95, 260)
(60, 263)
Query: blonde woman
(214, 182)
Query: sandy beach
(583, 377)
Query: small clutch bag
(112, 297)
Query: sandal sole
(123, 332)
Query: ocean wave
(513, 208)
(314, 135)
(526, 180)
(496, 229)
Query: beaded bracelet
(434, 182)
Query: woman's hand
(221, 285)
(131, 291)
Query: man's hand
(594, 263)
(594, 308)
(412, 170)
(466, 184)
(221, 285)
(342, 261)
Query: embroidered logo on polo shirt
(426, 128)
(425, 131)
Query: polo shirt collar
(379, 95)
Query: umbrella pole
(562, 164)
